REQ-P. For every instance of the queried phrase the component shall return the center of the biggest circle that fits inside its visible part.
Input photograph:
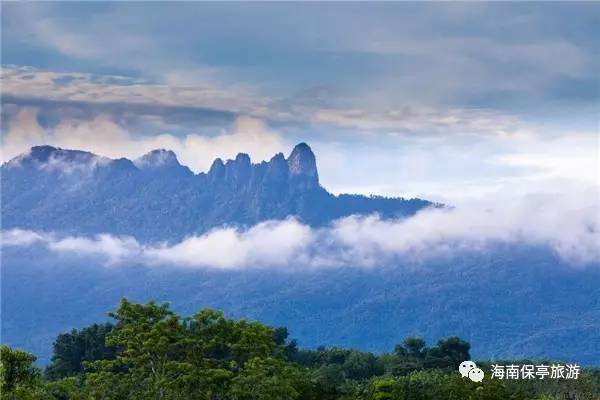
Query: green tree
(158, 355)
(448, 353)
(270, 379)
(19, 378)
(16, 369)
(72, 349)
(361, 365)
(150, 362)
(163, 356)
(329, 379)
(382, 389)
(412, 346)
(408, 356)
(70, 388)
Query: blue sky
(395, 98)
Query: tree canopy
(150, 352)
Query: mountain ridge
(155, 198)
(301, 160)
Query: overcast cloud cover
(395, 98)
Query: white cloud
(575, 156)
(114, 249)
(568, 224)
(103, 136)
(450, 169)
(272, 243)
(248, 135)
(24, 131)
(21, 237)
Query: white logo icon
(465, 367)
(469, 369)
(476, 375)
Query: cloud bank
(567, 225)
(104, 136)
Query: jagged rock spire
(217, 170)
(238, 171)
(302, 165)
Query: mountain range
(507, 300)
(155, 198)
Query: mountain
(155, 198)
(509, 300)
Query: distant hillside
(156, 198)
(510, 302)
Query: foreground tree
(152, 353)
(448, 353)
(72, 349)
(209, 357)
(19, 378)
(150, 362)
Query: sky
(447, 101)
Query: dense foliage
(152, 353)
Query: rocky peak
(49, 158)
(43, 153)
(277, 161)
(217, 170)
(242, 159)
(238, 170)
(159, 158)
(302, 165)
(277, 169)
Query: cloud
(567, 224)
(576, 156)
(389, 53)
(104, 136)
(532, 220)
(25, 130)
(272, 243)
(424, 121)
(20, 237)
(452, 169)
(23, 85)
(398, 151)
(248, 135)
(31, 83)
(396, 165)
(115, 249)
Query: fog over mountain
(267, 241)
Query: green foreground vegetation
(150, 352)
